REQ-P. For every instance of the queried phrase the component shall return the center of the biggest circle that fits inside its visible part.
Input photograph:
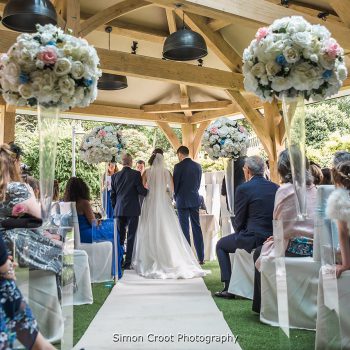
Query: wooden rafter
(342, 8)
(215, 41)
(169, 134)
(259, 11)
(109, 14)
(193, 106)
(198, 137)
(73, 16)
(170, 16)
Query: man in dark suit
(187, 180)
(254, 203)
(126, 188)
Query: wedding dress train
(161, 250)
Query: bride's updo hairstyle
(341, 175)
(154, 153)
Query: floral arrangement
(102, 144)
(225, 138)
(292, 56)
(49, 68)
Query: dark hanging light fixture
(111, 81)
(24, 15)
(184, 45)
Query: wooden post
(188, 136)
(7, 124)
(170, 135)
(198, 138)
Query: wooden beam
(193, 106)
(260, 11)
(342, 8)
(215, 41)
(7, 125)
(176, 72)
(188, 135)
(110, 13)
(217, 24)
(73, 16)
(170, 16)
(169, 134)
(197, 142)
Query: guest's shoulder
(338, 205)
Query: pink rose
(333, 49)
(48, 55)
(214, 130)
(102, 133)
(241, 129)
(19, 210)
(261, 33)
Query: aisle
(143, 309)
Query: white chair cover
(302, 284)
(100, 253)
(242, 278)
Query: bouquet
(292, 56)
(225, 138)
(102, 144)
(49, 68)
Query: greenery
(244, 323)
(84, 314)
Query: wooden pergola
(166, 92)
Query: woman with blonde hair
(16, 198)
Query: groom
(187, 180)
(126, 188)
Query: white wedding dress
(161, 250)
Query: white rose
(46, 37)
(67, 86)
(43, 80)
(280, 23)
(314, 58)
(291, 54)
(62, 67)
(342, 72)
(223, 131)
(25, 90)
(320, 31)
(258, 69)
(272, 68)
(250, 83)
(327, 62)
(213, 139)
(78, 70)
(306, 77)
(297, 24)
(79, 94)
(302, 39)
(216, 148)
(280, 84)
(11, 72)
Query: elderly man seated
(254, 203)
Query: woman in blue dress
(106, 189)
(91, 230)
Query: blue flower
(119, 146)
(51, 43)
(280, 59)
(222, 141)
(327, 74)
(88, 82)
(23, 78)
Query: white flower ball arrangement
(292, 56)
(225, 138)
(102, 144)
(50, 68)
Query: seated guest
(254, 201)
(56, 191)
(316, 173)
(141, 166)
(78, 191)
(338, 208)
(34, 184)
(297, 234)
(340, 157)
(202, 205)
(327, 177)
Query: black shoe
(127, 267)
(201, 262)
(225, 294)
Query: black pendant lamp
(184, 45)
(111, 81)
(24, 15)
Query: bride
(161, 250)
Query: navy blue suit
(187, 180)
(126, 188)
(254, 203)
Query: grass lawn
(84, 314)
(244, 323)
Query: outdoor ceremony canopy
(167, 93)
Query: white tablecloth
(210, 229)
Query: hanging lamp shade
(24, 15)
(184, 45)
(112, 82)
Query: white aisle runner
(158, 314)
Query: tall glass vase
(294, 119)
(48, 123)
(230, 184)
(104, 193)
